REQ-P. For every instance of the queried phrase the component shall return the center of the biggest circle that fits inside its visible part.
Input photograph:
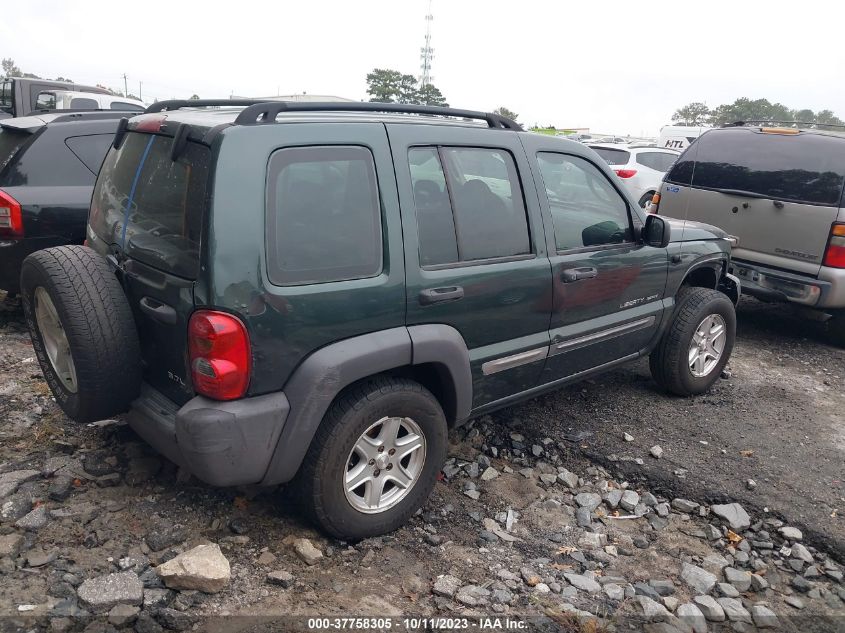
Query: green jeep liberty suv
(317, 292)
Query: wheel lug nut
(391, 451)
(372, 462)
(381, 449)
(390, 467)
(376, 473)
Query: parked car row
(23, 96)
(315, 292)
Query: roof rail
(808, 123)
(257, 112)
(176, 104)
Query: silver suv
(779, 191)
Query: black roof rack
(769, 121)
(257, 112)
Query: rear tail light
(626, 173)
(11, 221)
(834, 254)
(655, 204)
(220, 355)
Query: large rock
(33, 520)
(10, 545)
(692, 616)
(697, 578)
(446, 586)
(734, 514)
(104, 592)
(583, 583)
(653, 611)
(306, 551)
(203, 567)
(764, 618)
(589, 500)
(740, 579)
(10, 481)
(711, 609)
(734, 610)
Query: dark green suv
(317, 292)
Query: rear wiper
(743, 193)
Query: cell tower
(426, 52)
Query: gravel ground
(543, 512)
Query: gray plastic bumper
(221, 443)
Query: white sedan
(641, 169)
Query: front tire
(374, 460)
(695, 348)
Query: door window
(324, 215)
(587, 211)
(469, 205)
(45, 101)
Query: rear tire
(82, 330)
(836, 328)
(646, 199)
(686, 366)
(334, 460)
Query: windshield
(150, 205)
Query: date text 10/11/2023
(418, 624)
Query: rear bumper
(221, 443)
(769, 284)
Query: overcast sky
(620, 67)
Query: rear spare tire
(82, 331)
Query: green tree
(9, 68)
(430, 94)
(503, 111)
(70, 81)
(695, 113)
(407, 91)
(194, 97)
(383, 85)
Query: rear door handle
(438, 295)
(159, 311)
(574, 274)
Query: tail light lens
(11, 221)
(626, 173)
(220, 355)
(834, 255)
(655, 204)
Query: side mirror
(656, 231)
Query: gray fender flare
(325, 373)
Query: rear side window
(612, 156)
(323, 215)
(660, 161)
(90, 149)
(6, 99)
(46, 161)
(152, 206)
(806, 168)
(45, 101)
(469, 205)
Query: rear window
(84, 103)
(806, 168)
(10, 143)
(128, 107)
(323, 215)
(151, 206)
(45, 161)
(660, 161)
(613, 156)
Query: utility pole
(140, 91)
(426, 52)
(125, 85)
